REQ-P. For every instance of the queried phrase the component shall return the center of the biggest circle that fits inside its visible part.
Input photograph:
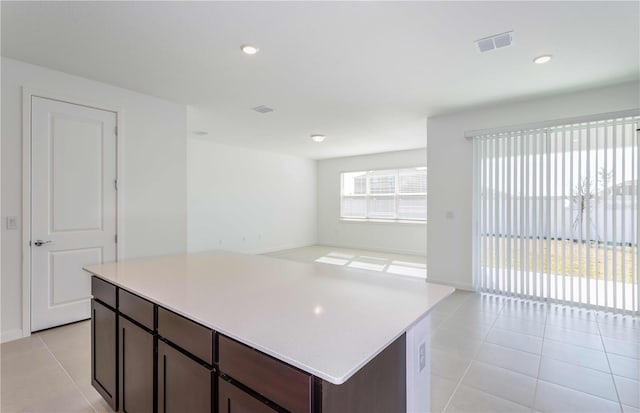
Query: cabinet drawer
(190, 336)
(275, 380)
(136, 308)
(231, 400)
(103, 291)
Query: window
(392, 194)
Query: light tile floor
(49, 372)
(489, 354)
(413, 266)
(500, 354)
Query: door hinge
(116, 130)
(115, 184)
(116, 238)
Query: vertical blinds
(556, 213)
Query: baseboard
(364, 247)
(458, 286)
(259, 250)
(10, 335)
(279, 248)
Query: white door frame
(27, 95)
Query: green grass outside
(555, 256)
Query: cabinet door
(184, 385)
(136, 368)
(103, 352)
(233, 400)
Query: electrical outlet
(423, 356)
(12, 222)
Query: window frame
(367, 196)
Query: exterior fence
(612, 222)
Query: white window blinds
(556, 213)
(393, 194)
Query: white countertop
(326, 320)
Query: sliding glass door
(556, 213)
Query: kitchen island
(229, 332)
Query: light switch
(12, 222)
(448, 214)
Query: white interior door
(73, 206)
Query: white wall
(449, 249)
(153, 183)
(407, 238)
(248, 200)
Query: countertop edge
(337, 380)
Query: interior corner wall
(247, 200)
(152, 184)
(404, 238)
(450, 171)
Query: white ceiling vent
(496, 41)
(262, 109)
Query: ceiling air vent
(262, 109)
(496, 41)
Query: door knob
(39, 242)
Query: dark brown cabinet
(190, 336)
(104, 352)
(233, 400)
(136, 376)
(378, 387)
(184, 385)
(279, 382)
(148, 359)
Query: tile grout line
(598, 324)
(451, 313)
(601, 338)
(446, 405)
(498, 315)
(567, 343)
(466, 370)
(68, 375)
(518, 333)
(606, 354)
(544, 333)
(535, 390)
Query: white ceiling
(366, 74)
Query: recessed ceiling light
(317, 138)
(540, 60)
(248, 49)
